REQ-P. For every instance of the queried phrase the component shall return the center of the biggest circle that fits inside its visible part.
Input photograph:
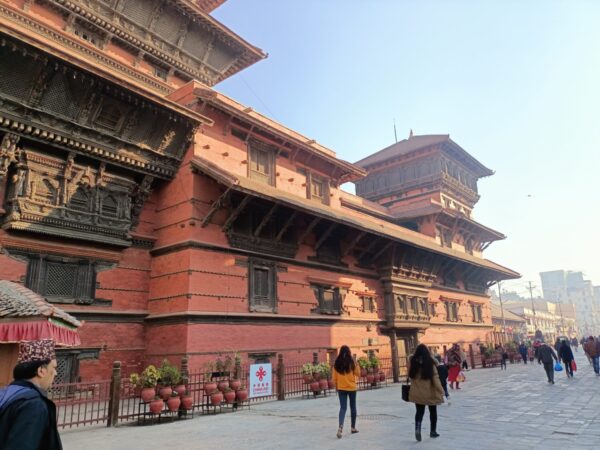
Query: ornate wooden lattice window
(62, 280)
(262, 279)
(451, 311)
(261, 162)
(329, 298)
(477, 313)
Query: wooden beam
(215, 207)
(370, 247)
(265, 219)
(381, 251)
(236, 212)
(325, 235)
(310, 227)
(285, 227)
(353, 243)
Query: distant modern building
(569, 287)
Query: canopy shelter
(27, 316)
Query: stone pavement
(513, 409)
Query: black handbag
(405, 391)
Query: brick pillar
(115, 395)
(280, 378)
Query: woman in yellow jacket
(345, 373)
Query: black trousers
(549, 368)
(432, 415)
(568, 368)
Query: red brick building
(174, 221)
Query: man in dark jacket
(547, 355)
(27, 416)
(523, 352)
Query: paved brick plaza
(515, 409)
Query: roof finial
(411, 134)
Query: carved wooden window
(477, 313)
(423, 306)
(85, 33)
(80, 200)
(329, 298)
(45, 191)
(368, 303)
(413, 305)
(401, 304)
(109, 116)
(261, 162)
(160, 72)
(451, 311)
(262, 280)
(110, 207)
(62, 280)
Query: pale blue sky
(515, 83)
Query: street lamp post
(502, 312)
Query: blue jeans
(343, 396)
(595, 360)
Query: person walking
(443, 373)
(547, 355)
(463, 356)
(566, 354)
(592, 350)
(27, 416)
(425, 389)
(345, 373)
(503, 356)
(523, 352)
(453, 361)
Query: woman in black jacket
(566, 354)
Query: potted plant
(169, 376)
(223, 385)
(307, 373)
(216, 397)
(209, 385)
(314, 386)
(229, 395)
(381, 376)
(364, 365)
(374, 360)
(187, 401)
(173, 402)
(324, 371)
(157, 405)
(241, 394)
(235, 384)
(147, 381)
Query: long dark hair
(344, 362)
(421, 363)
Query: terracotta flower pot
(323, 384)
(330, 384)
(314, 386)
(370, 378)
(148, 394)
(180, 389)
(381, 376)
(235, 384)
(165, 392)
(363, 373)
(187, 401)
(242, 395)
(156, 406)
(229, 397)
(223, 385)
(209, 387)
(308, 378)
(316, 376)
(216, 398)
(173, 403)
